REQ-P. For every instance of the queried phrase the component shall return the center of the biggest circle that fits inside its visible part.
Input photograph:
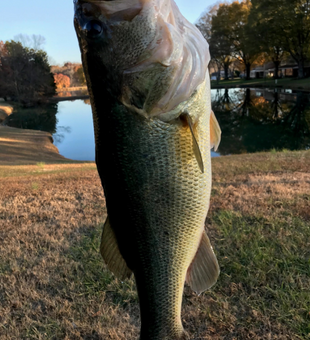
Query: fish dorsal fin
(204, 269)
(111, 254)
(215, 132)
(195, 143)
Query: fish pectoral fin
(204, 269)
(215, 132)
(110, 252)
(196, 148)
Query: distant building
(261, 71)
(287, 68)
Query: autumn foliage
(72, 70)
(61, 80)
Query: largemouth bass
(146, 68)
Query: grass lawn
(54, 285)
(285, 82)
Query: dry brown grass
(43, 288)
(21, 146)
(53, 284)
(72, 88)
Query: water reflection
(42, 117)
(75, 132)
(70, 123)
(251, 120)
(60, 134)
(255, 120)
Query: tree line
(70, 74)
(26, 75)
(252, 32)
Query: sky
(54, 20)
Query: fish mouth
(93, 17)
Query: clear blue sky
(54, 20)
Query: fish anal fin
(204, 269)
(196, 148)
(215, 132)
(110, 252)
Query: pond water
(251, 120)
(254, 120)
(74, 135)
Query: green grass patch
(268, 259)
(93, 278)
(42, 168)
(93, 275)
(285, 82)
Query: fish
(146, 69)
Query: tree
(227, 34)
(293, 17)
(35, 41)
(3, 55)
(25, 74)
(81, 76)
(264, 30)
(220, 41)
(220, 47)
(204, 23)
(61, 81)
(243, 47)
(284, 26)
(3, 51)
(73, 70)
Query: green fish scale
(157, 200)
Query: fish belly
(157, 200)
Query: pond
(251, 120)
(74, 136)
(254, 120)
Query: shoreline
(259, 86)
(213, 87)
(62, 99)
(25, 147)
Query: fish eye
(94, 29)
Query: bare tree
(35, 41)
(204, 23)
